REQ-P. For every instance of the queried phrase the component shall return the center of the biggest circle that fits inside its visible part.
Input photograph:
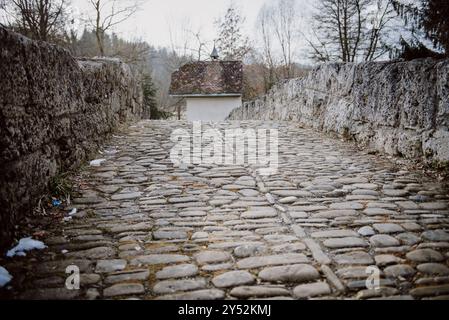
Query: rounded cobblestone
(149, 229)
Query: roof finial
(214, 55)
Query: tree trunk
(99, 33)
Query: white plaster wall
(211, 108)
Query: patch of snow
(97, 163)
(73, 212)
(5, 277)
(26, 244)
(64, 251)
(111, 152)
(67, 219)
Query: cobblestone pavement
(148, 230)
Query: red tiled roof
(208, 78)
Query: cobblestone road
(145, 229)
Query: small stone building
(211, 89)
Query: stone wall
(399, 108)
(55, 110)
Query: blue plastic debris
(57, 203)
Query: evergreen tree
(430, 19)
(149, 100)
(436, 23)
(231, 43)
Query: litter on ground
(97, 163)
(5, 277)
(25, 244)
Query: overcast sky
(152, 23)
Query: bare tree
(187, 42)
(133, 52)
(284, 20)
(38, 19)
(179, 52)
(350, 30)
(379, 20)
(179, 37)
(108, 14)
(319, 46)
(340, 24)
(278, 25)
(264, 28)
(201, 46)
